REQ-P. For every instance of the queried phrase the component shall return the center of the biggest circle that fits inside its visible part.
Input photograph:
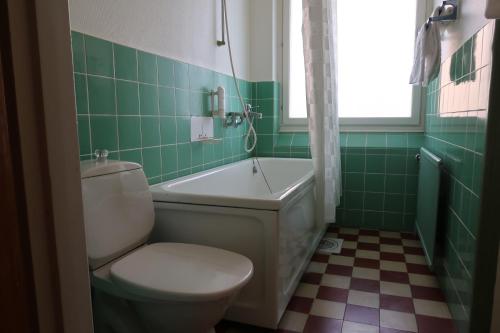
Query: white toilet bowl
(157, 288)
(170, 287)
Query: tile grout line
(88, 97)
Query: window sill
(356, 128)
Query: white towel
(492, 9)
(427, 53)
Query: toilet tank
(118, 209)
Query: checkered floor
(379, 283)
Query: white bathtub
(233, 208)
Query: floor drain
(330, 245)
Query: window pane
(297, 91)
(375, 55)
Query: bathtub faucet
(249, 113)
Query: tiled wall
(379, 170)
(456, 116)
(138, 106)
(269, 141)
(379, 178)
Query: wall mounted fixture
(223, 41)
(448, 11)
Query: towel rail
(445, 18)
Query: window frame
(414, 123)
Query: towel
(492, 9)
(427, 53)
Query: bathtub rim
(271, 202)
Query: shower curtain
(319, 33)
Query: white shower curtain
(319, 32)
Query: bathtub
(262, 208)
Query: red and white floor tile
(379, 283)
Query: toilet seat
(181, 272)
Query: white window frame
(414, 123)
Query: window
(375, 55)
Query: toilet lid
(183, 272)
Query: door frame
(40, 104)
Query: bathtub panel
(299, 237)
(252, 233)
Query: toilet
(139, 287)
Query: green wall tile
(148, 99)
(395, 184)
(81, 94)
(375, 163)
(373, 201)
(183, 129)
(169, 159)
(393, 221)
(165, 72)
(101, 95)
(129, 132)
(146, 69)
(394, 203)
(208, 153)
(411, 184)
(396, 164)
(355, 163)
(196, 103)
(182, 102)
(78, 52)
(152, 161)
(227, 148)
(373, 220)
(104, 132)
(166, 98)
(218, 152)
(184, 156)
(84, 135)
(353, 218)
(300, 140)
(127, 98)
(125, 62)
(397, 140)
(181, 74)
(354, 200)
(168, 130)
(356, 140)
(284, 140)
(375, 182)
(99, 56)
(150, 130)
(196, 154)
(265, 106)
(376, 140)
(265, 125)
(354, 181)
(134, 155)
(265, 90)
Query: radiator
(427, 201)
